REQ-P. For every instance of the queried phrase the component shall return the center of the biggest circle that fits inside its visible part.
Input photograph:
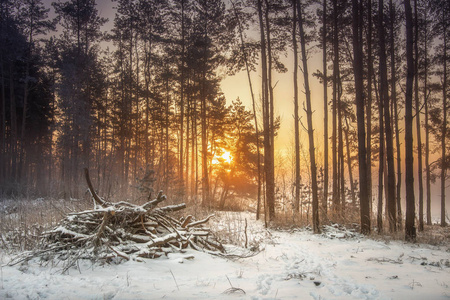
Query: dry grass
(23, 221)
(434, 235)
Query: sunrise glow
(226, 157)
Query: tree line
(150, 106)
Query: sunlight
(226, 157)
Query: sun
(226, 157)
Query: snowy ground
(292, 265)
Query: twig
(233, 289)
(245, 232)
(174, 279)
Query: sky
(237, 86)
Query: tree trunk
(410, 229)
(268, 158)
(444, 127)
(247, 68)
(270, 177)
(325, 109)
(205, 174)
(418, 126)
(396, 118)
(349, 163)
(381, 164)
(312, 157)
(427, 132)
(296, 117)
(384, 97)
(182, 98)
(335, 195)
(359, 95)
(369, 103)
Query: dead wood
(123, 231)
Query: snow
(295, 264)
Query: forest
(137, 100)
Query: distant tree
(247, 54)
(325, 106)
(34, 22)
(78, 85)
(210, 41)
(441, 12)
(425, 64)
(238, 174)
(26, 102)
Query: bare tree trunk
(312, 157)
(268, 158)
(427, 133)
(349, 163)
(182, 98)
(444, 127)
(369, 103)
(418, 126)
(335, 195)
(270, 167)
(205, 174)
(410, 229)
(3, 132)
(325, 109)
(296, 117)
(13, 126)
(359, 95)
(384, 97)
(396, 113)
(381, 164)
(341, 178)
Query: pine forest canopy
(321, 106)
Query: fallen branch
(123, 230)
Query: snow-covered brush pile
(337, 231)
(123, 231)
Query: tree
(370, 72)
(296, 116)
(441, 10)
(358, 77)
(410, 229)
(325, 107)
(393, 32)
(79, 84)
(312, 156)
(384, 98)
(417, 114)
(268, 157)
(425, 42)
(211, 40)
(238, 171)
(247, 53)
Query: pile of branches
(124, 231)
